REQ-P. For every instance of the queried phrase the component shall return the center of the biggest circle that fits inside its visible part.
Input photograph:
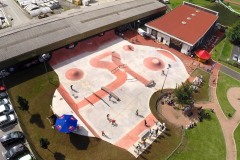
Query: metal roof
(41, 36)
(187, 23)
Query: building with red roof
(184, 28)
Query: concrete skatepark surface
(131, 72)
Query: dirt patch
(234, 97)
(176, 116)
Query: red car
(2, 88)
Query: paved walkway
(228, 125)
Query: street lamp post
(138, 22)
(44, 59)
(169, 66)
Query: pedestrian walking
(145, 122)
(110, 97)
(103, 133)
(136, 112)
(163, 73)
(114, 122)
(108, 116)
(71, 87)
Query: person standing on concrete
(71, 87)
(103, 134)
(136, 112)
(145, 122)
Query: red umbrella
(203, 54)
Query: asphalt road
(230, 72)
(14, 10)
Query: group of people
(152, 132)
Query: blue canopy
(66, 123)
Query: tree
(234, 33)
(23, 103)
(44, 143)
(184, 94)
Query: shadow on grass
(59, 156)
(79, 142)
(28, 74)
(36, 119)
(206, 115)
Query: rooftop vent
(197, 11)
(189, 18)
(193, 14)
(183, 22)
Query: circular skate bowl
(153, 63)
(74, 74)
(128, 48)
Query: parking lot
(10, 127)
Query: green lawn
(216, 52)
(222, 53)
(235, 7)
(225, 16)
(237, 140)
(205, 141)
(224, 83)
(33, 85)
(227, 50)
(202, 93)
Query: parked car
(6, 109)
(239, 58)
(3, 95)
(4, 101)
(7, 119)
(235, 57)
(12, 137)
(15, 151)
(2, 88)
(26, 157)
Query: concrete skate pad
(123, 70)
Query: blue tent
(66, 123)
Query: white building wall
(149, 30)
(185, 49)
(165, 38)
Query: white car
(26, 157)
(3, 101)
(6, 109)
(239, 58)
(235, 57)
(7, 120)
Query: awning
(203, 54)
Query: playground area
(106, 83)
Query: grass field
(225, 16)
(227, 50)
(235, 7)
(224, 83)
(202, 93)
(222, 53)
(205, 141)
(33, 85)
(217, 51)
(237, 140)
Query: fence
(228, 7)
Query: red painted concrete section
(154, 63)
(72, 104)
(74, 74)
